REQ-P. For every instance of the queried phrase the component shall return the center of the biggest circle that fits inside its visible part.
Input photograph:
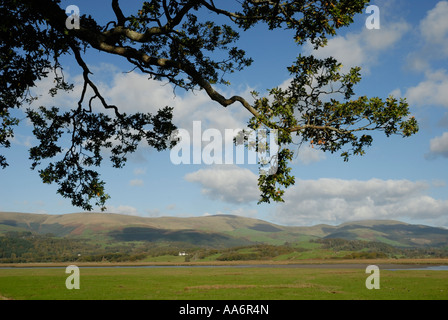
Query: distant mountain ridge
(216, 230)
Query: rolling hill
(216, 231)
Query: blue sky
(400, 179)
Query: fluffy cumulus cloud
(307, 155)
(63, 99)
(134, 92)
(362, 48)
(434, 27)
(228, 183)
(334, 201)
(432, 32)
(439, 147)
(433, 90)
(433, 46)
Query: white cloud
(362, 48)
(134, 92)
(434, 27)
(335, 201)
(307, 155)
(431, 91)
(64, 100)
(432, 45)
(439, 146)
(228, 183)
(123, 209)
(433, 39)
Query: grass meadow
(222, 283)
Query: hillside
(215, 231)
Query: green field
(222, 283)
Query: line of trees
(257, 252)
(19, 247)
(362, 249)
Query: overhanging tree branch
(172, 40)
